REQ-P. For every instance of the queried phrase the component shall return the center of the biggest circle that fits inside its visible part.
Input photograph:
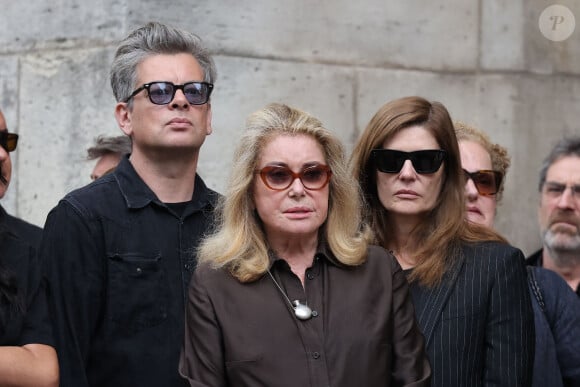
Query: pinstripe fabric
(479, 324)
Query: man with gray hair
(108, 152)
(559, 212)
(119, 252)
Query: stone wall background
(486, 60)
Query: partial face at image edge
(480, 209)
(5, 162)
(559, 210)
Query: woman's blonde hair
(239, 243)
(443, 229)
(500, 159)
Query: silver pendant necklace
(301, 311)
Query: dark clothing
(27, 232)
(536, 260)
(557, 322)
(478, 323)
(119, 263)
(362, 333)
(30, 325)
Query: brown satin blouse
(362, 333)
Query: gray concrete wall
(487, 61)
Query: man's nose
(567, 199)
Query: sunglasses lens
(11, 143)
(196, 93)
(8, 141)
(427, 161)
(315, 177)
(388, 160)
(486, 182)
(277, 177)
(161, 93)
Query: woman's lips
(474, 210)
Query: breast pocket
(138, 291)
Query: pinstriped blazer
(478, 323)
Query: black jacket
(536, 260)
(119, 263)
(27, 323)
(27, 232)
(479, 323)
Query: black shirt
(119, 262)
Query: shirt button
(316, 355)
(139, 271)
(314, 313)
(310, 276)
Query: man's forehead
(167, 66)
(565, 169)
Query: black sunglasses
(424, 161)
(8, 140)
(486, 182)
(279, 177)
(161, 93)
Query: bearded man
(559, 212)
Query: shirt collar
(3, 214)
(137, 194)
(323, 252)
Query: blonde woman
(288, 292)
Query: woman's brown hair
(439, 235)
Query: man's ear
(123, 117)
